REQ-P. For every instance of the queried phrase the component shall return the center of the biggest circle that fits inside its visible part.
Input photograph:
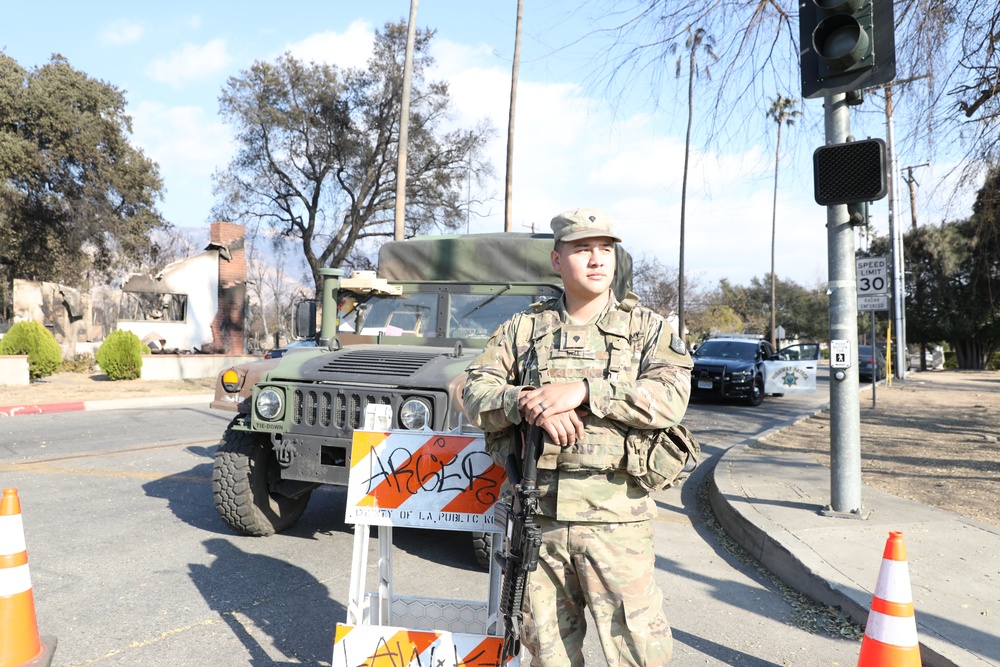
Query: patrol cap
(583, 223)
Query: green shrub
(34, 340)
(120, 356)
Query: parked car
(871, 363)
(279, 352)
(731, 366)
(933, 358)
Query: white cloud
(569, 151)
(453, 61)
(191, 63)
(351, 48)
(189, 144)
(122, 32)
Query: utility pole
(508, 213)
(468, 188)
(912, 183)
(404, 127)
(898, 262)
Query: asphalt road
(130, 564)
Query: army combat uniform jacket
(638, 374)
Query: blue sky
(574, 145)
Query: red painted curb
(44, 408)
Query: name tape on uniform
(385, 646)
(422, 480)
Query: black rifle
(524, 537)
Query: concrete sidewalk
(770, 503)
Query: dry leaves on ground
(932, 438)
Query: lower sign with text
(873, 302)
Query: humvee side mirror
(304, 320)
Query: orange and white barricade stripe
(19, 640)
(419, 479)
(387, 646)
(891, 632)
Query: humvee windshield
(416, 314)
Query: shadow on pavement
(270, 605)
(189, 497)
(721, 653)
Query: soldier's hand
(564, 428)
(552, 399)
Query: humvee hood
(417, 366)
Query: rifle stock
(524, 537)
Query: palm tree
(696, 38)
(782, 111)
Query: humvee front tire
(482, 547)
(244, 465)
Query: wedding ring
(542, 406)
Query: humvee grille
(343, 410)
(378, 362)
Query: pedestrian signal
(850, 173)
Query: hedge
(34, 340)
(120, 356)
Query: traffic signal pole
(845, 47)
(845, 410)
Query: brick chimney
(228, 326)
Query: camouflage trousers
(607, 567)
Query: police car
(746, 367)
(731, 366)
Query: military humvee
(402, 337)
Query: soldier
(593, 373)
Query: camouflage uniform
(597, 545)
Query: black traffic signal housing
(845, 45)
(850, 173)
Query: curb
(775, 548)
(107, 404)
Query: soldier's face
(587, 266)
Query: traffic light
(845, 45)
(850, 173)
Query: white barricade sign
(790, 377)
(367, 645)
(422, 480)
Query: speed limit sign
(872, 275)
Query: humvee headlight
(269, 404)
(231, 381)
(415, 414)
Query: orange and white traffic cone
(891, 633)
(20, 644)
